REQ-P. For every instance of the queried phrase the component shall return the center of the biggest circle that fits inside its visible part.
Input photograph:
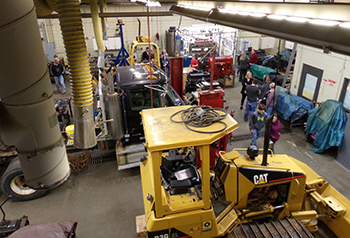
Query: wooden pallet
(141, 226)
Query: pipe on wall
(103, 9)
(74, 42)
(98, 33)
(28, 117)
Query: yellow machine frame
(136, 44)
(186, 215)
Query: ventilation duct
(28, 116)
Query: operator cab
(178, 172)
(133, 82)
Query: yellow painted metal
(186, 212)
(205, 157)
(340, 225)
(162, 134)
(306, 197)
(133, 47)
(305, 215)
(275, 163)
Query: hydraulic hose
(81, 85)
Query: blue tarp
(291, 107)
(259, 71)
(327, 123)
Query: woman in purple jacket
(275, 130)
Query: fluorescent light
(228, 11)
(324, 22)
(243, 13)
(276, 17)
(195, 7)
(297, 19)
(345, 24)
(153, 4)
(257, 14)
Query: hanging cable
(178, 28)
(150, 55)
(201, 116)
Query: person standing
(243, 66)
(194, 62)
(275, 130)
(165, 63)
(252, 92)
(264, 89)
(253, 58)
(257, 122)
(145, 55)
(246, 81)
(271, 99)
(57, 71)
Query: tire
(13, 184)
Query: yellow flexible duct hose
(42, 8)
(97, 25)
(103, 8)
(74, 41)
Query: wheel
(13, 184)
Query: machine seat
(182, 177)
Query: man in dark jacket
(257, 122)
(145, 55)
(252, 92)
(57, 71)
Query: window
(310, 82)
(141, 98)
(345, 94)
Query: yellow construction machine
(141, 42)
(266, 196)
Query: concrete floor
(105, 201)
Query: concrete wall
(335, 68)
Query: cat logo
(260, 179)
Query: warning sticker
(206, 226)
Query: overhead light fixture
(147, 3)
(345, 24)
(324, 22)
(276, 17)
(153, 4)
(202, 8)
(228, 11)
(243, 13)
(257, 14)
(297, 19)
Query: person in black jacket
(57, 71)
(243, 66)
(245, 82)
(264, 89)
(252, 92)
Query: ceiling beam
(117, 14)
(334, 38)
